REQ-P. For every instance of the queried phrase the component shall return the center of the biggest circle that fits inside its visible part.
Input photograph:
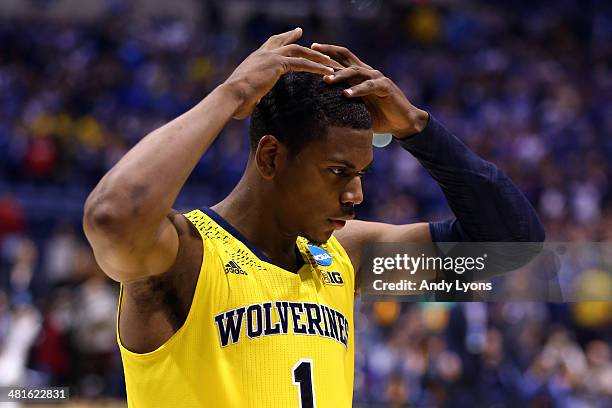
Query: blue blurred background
(526, 86)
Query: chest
(257, 299)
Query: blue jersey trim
(238, 235)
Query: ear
(269, 155)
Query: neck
(248, 209)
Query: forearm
(487, 204)
(142, 187)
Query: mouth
(337, 223)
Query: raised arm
(126, 215)
(487, 205)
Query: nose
(353, 193)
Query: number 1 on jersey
(302, 377)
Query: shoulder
(188, 260)
(184, 227)
(155, 307)
(356, 233)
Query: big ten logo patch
(332, 278)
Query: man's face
(319, 187)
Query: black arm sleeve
(487, 205)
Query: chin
(319, 238)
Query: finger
(378, 87)
(352, 75)
(335, 64)
(278, 40)
(341, 54)
(295, 50)
(300, 64)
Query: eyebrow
(351, 165)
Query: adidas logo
(232, 267)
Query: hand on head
(390, 109)
(258, 73)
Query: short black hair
(301, 106)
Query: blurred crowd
(484, 354)
(526, 87)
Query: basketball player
(249, 303)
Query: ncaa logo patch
(321, 256)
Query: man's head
(311, 144)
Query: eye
(337, 171)
(365, 172)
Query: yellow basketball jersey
(256, 335)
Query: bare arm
(357, 233)
(125, 217)
(488, 206)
